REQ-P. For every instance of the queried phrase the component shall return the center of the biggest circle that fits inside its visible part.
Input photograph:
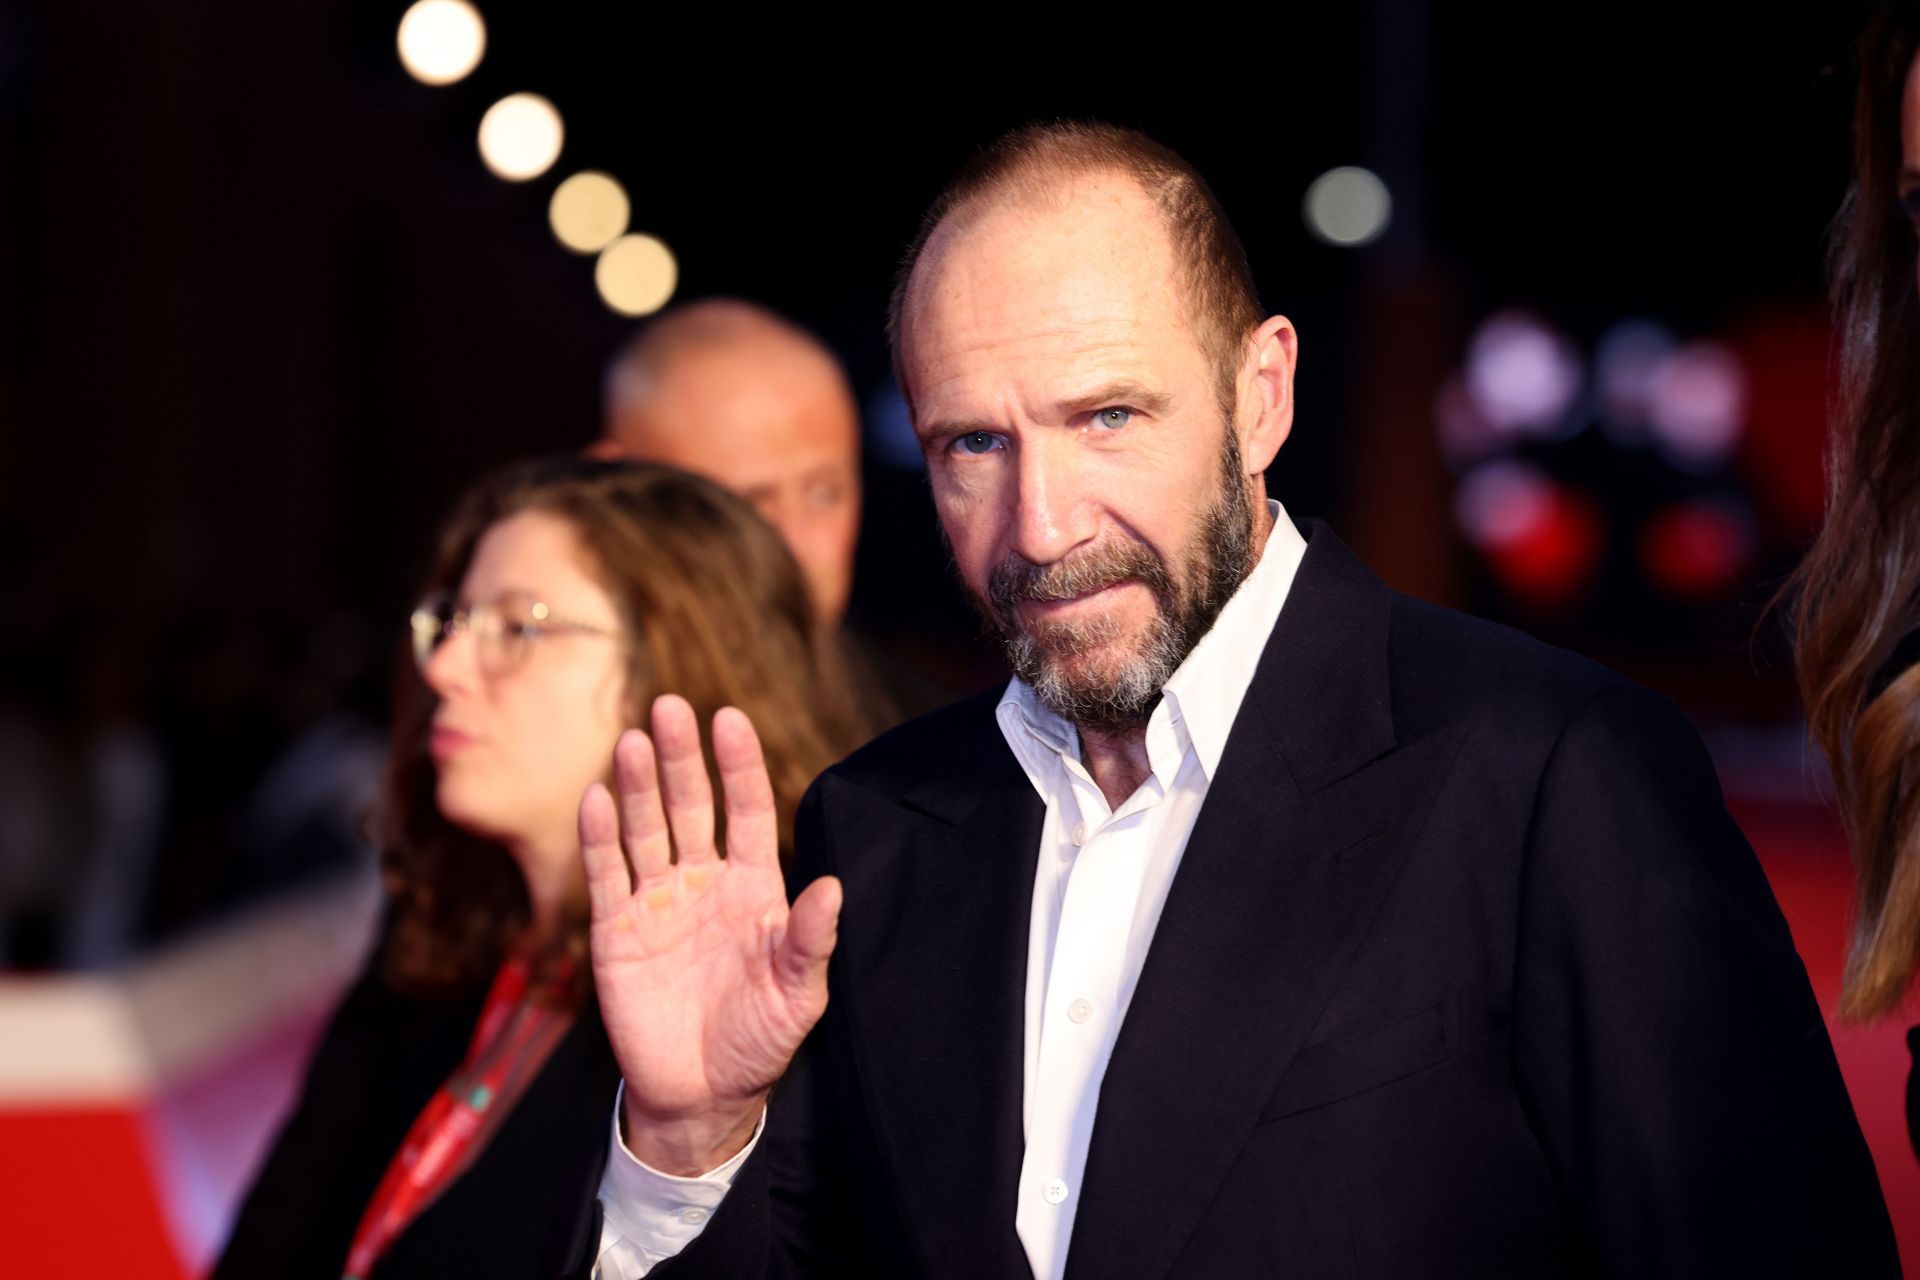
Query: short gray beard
(1219, 560)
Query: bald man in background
(733, 392)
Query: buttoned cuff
(648, 1216)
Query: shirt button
(1055, 1191)
(1080, 1010)
(693, 1217)
(1079, 834)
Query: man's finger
(609, 884)
(753, 822)
(683, 779)
(813, 926)
(643, 825)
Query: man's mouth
(1046, 607)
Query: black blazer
(382, 1059)
(1466, 972)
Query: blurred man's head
(731, 391)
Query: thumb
(813, 926)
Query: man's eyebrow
(1122, 394)
(942, 428)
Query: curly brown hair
(715, 610)
(1857, 593)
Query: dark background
(263, 314)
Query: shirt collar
(1201, 698)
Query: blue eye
(977, 442)
(1112, 419)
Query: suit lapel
(1300, 834)
(937, 992)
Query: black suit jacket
(1465, 972)
(381, 1060)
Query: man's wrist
(688, 1146)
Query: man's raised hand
(707, 981)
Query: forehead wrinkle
(1095, 366)
(1118, 346)
(1067, 295)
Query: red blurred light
(1541, 539)
(1551, 566)
(1696, 550)
(1786, 350)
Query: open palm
(707, 981)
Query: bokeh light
(1466, 436)
(1542, 540)
(1348, 206)
(636, 275)
(1700, 549)
(1699, 405)
(520, 136)
(588, 211)
(441, 41)
(1523, 376)
(1626, 367)
(1502, 503)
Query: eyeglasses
(504, 630)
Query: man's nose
(1050, 514)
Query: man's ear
(1266, 392)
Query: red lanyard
(517, 1031)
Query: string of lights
(521, 137)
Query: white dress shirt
(1100, 883)
(648, 1216)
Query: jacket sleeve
(1669, 1048)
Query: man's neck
(1117, 756)
(1117, 759)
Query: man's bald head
(1034, 164)
(735, 393)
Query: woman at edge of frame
(1856, 595)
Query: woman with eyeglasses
(466, 1075)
